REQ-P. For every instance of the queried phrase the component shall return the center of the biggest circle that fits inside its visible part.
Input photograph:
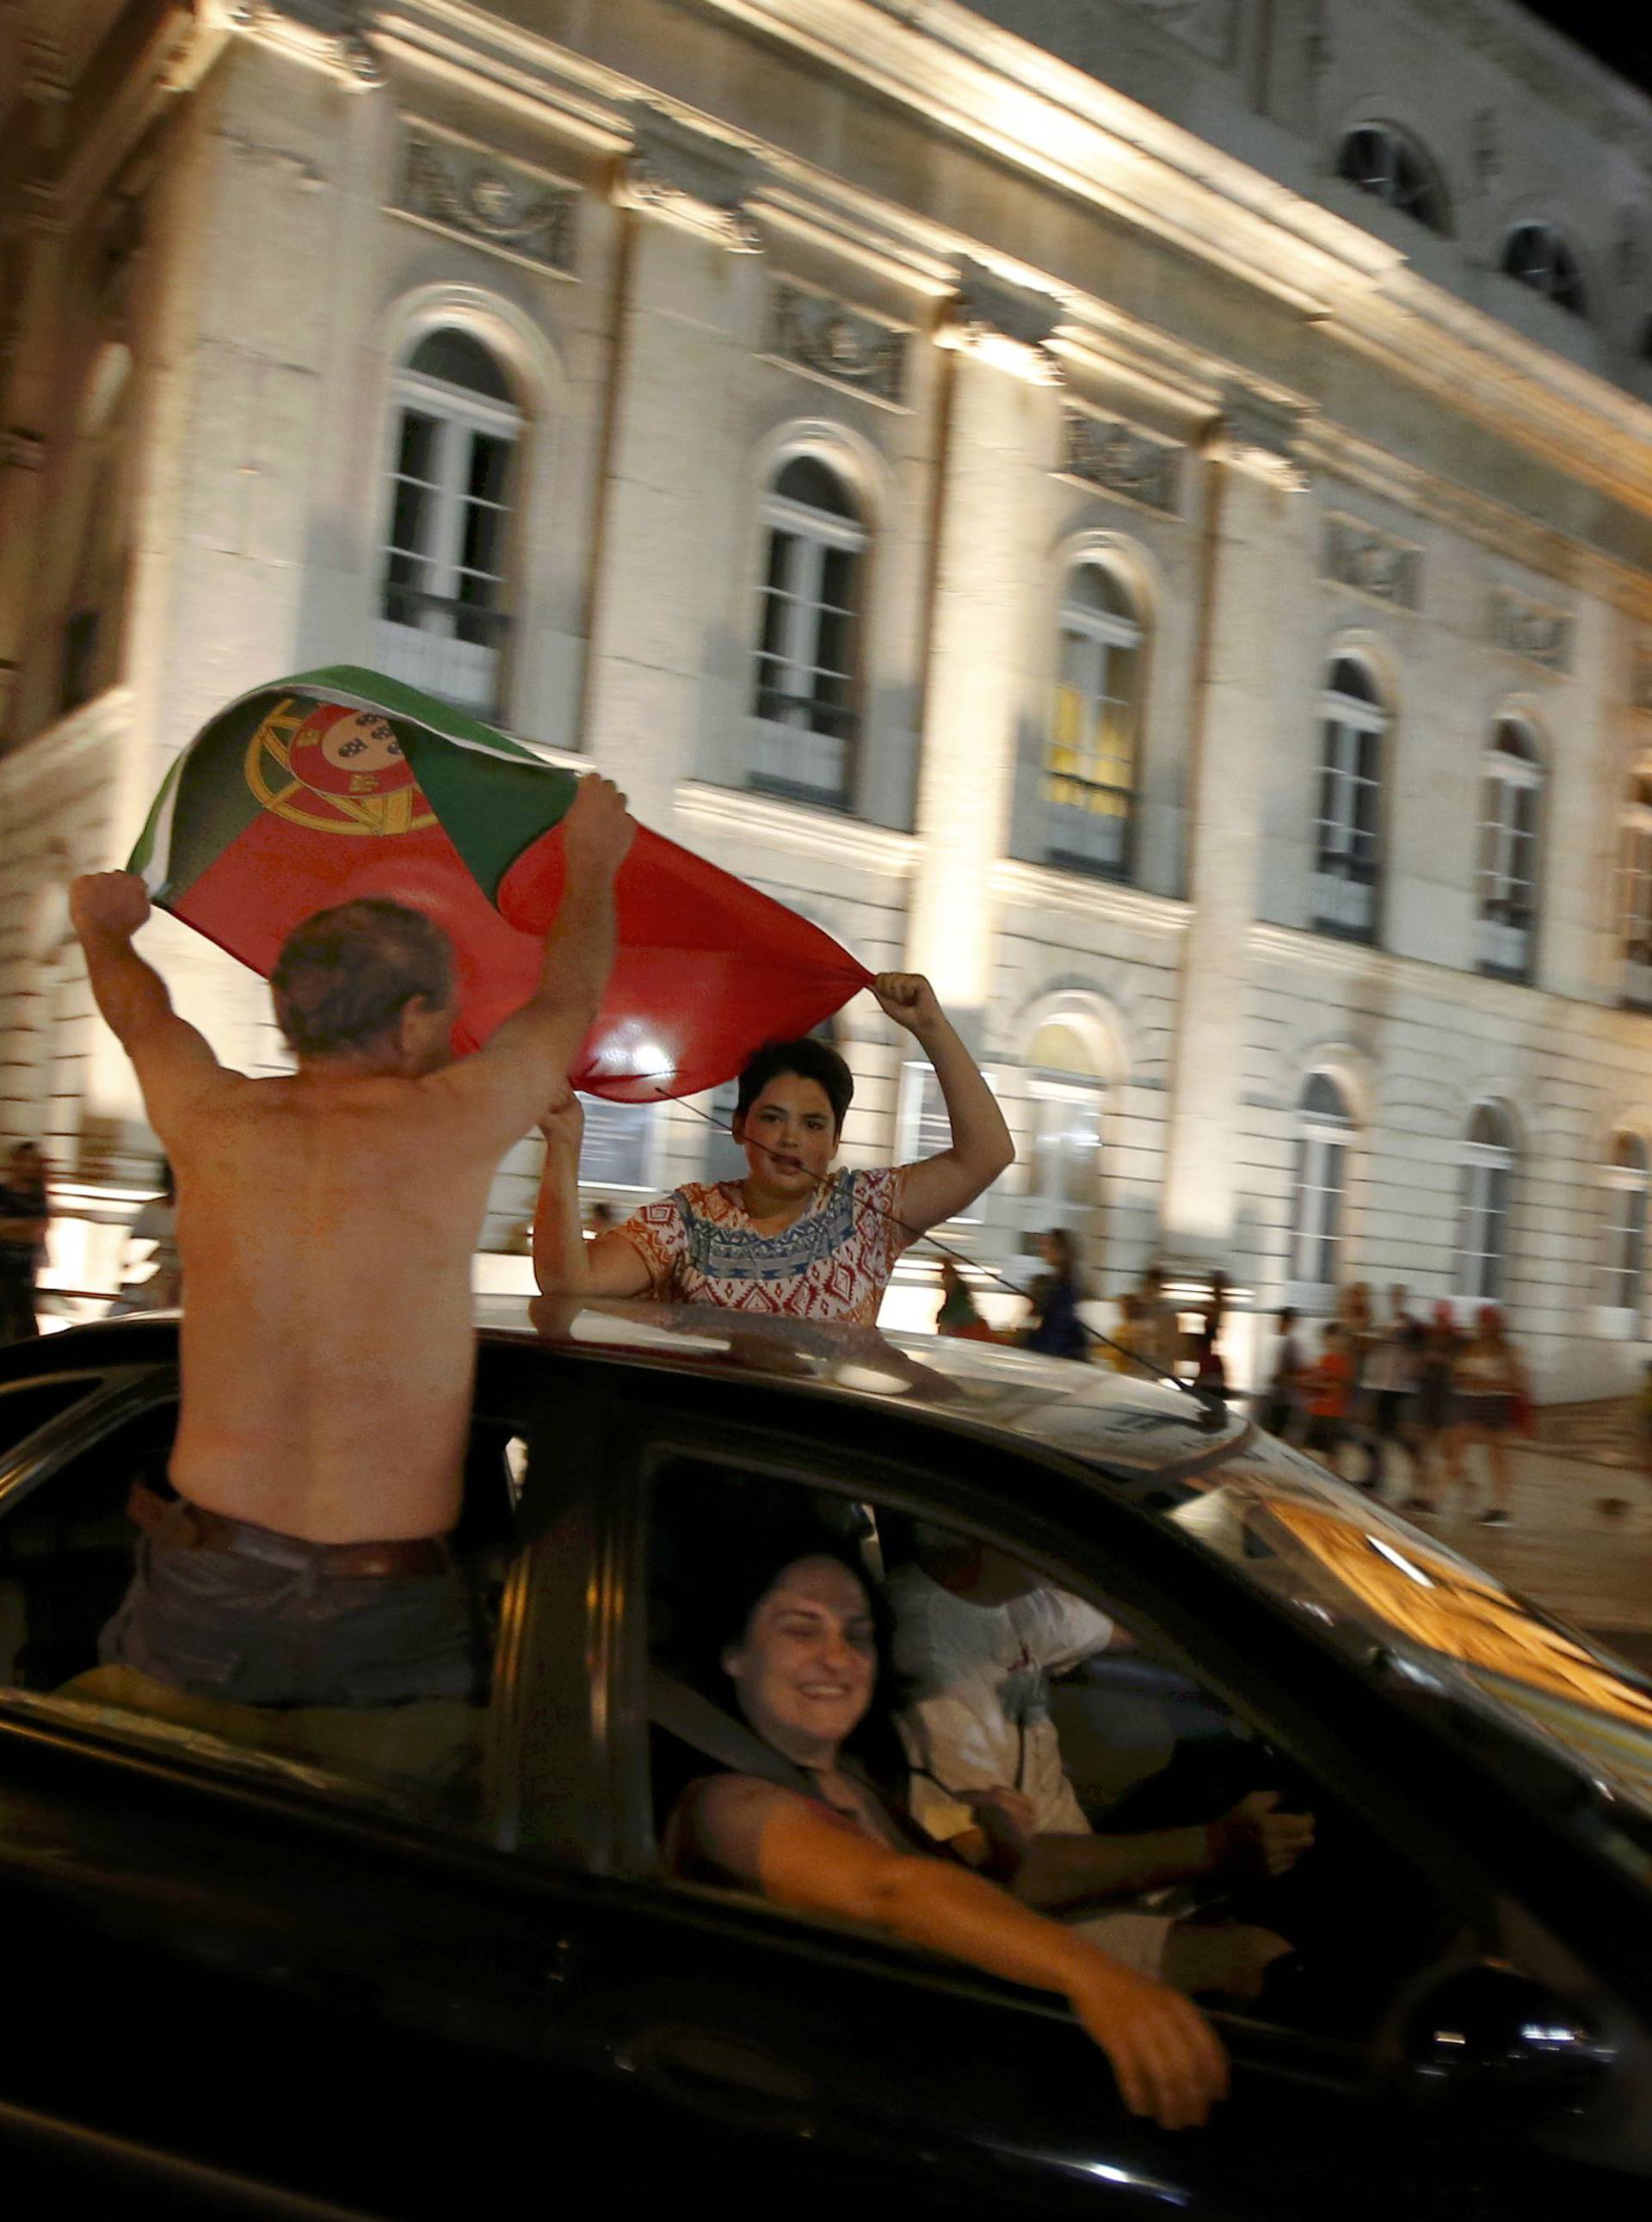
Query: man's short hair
(344, 976)
(810, 1060)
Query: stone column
(985, 554)
(1252, 483)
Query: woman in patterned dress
(794, 1236)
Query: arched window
(806, 686)
(1507, 880)
(1626, 1181)
(1353, 728)
(1324, 1137)
(1537, 255)
(1090, 760)
(1484, 1194)
(1384, 163)
(444, 614)
(96, 510)
(1635, 892)
(1065, 1084)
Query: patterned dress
(832, 1264)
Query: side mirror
(1489, 2042)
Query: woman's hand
(1168, 2060)
(908, 998)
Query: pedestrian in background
(1327, 1392)
(1392, 1362)
(1131, 1347)
(1282, 1408)
(1433, 1403)
(25, 1215)
(959, 1314)
(1056, 1328)
(1489, 1388)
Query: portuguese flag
(341, 782)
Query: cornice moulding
(747, 816)
(1042, 887)
(1379, 968)
(993, 89)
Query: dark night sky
(1620, 35)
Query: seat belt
(705, 1727)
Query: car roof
(1131, 1425)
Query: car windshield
(1432, 1619)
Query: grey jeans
(268, 1623)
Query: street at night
(826, 1107)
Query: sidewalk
(1591, 1565)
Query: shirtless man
(326, 1221)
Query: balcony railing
(1345, 897)
(1087, 826)
(448, 648)
(1505, 941)
(802, 749)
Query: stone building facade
(1140, 509)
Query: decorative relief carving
(1375, 562)
(1205, 25)
(1120, 459)
(334, 29)
(1013, 323)
(1261, 436)
(1529, 629)
(816, 332)
(485, 198)
(676, 172)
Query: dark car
(271, 1964)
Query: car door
(849, 2055)
(240, 1985)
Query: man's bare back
(326, 1228)
(326, 1221)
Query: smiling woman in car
(793, 1236)
(801, 1821)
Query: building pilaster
(1253, 481)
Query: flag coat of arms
(340, 782)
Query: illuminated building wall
(1139, 511)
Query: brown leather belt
(197, 1528)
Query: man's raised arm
(981, 1148)
(173, 1062)
(525, 1065)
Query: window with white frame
(1626, 1181)
(444, 616)
(1354, 730)
(1387, 164)
(724, 1159)
(1507, 877)
(1484, 1196)
(1537, 255)
(616, 1151)
(1635, 892)
(1089, 758)
(1319, 1199)
(1062, 1153)
(805, 698)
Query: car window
(27, 1406)
(1037, 1735)
(68, 1547)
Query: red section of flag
(708, 968)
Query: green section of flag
(492, 797)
